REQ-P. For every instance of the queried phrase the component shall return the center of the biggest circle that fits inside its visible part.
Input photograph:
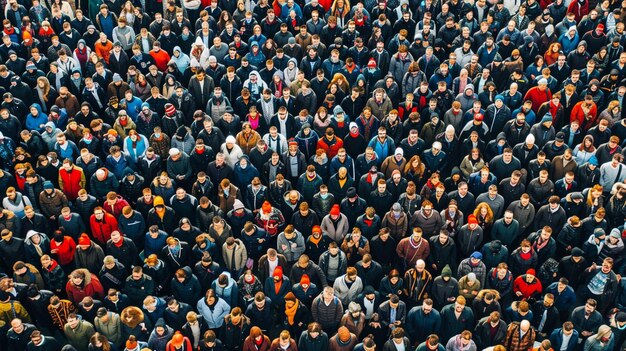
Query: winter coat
(79, 337)
(214, 316)
(328, 316)
(91, 287)
(515, 342)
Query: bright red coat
(65, 250)
(332, 149)
(101, 231)
(527, 289)
(71, 182)
(579, 115)
(538, 97)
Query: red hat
(371, 63)
(278, 272)
(170, 110)
(335, 210)
(316, 229)
(600, 27)
(479, 117)
(84, 240)
(531, 271)
(471, 219)
(305, 280)
(293, 143)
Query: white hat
(399, 151)
(100, 173)
(530, 139)
(174, 151)
(230, 140)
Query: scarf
(291, 312)
(254, 121)
(314, 240)
(540, 244)
(278, 285)
(123, 122)
(146, 116)
(525, 256)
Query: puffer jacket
(213, 315)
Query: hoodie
(182, 61)
(187, 291)
(158, 342)
(290, 74)
(35, 122)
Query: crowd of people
(393, 175)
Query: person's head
(590, 306)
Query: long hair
(97, 337)
(346, 7)
(489, 216)
(46, 87)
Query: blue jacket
(556, 339)
(139, 150)
(251, 242)
(569, 44)
(382, 150)
(563, 301)
(134, 228)
(36, 122)
(158, 313)
(71, 151)
(154, 246)
(214, 317)
(118, 167)
(230, 293)
(133, 107)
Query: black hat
(351, 192)
(577, 252)
(560, 136)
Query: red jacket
(65, 250)
(91, 287)
(331, 147)
(579, 114)
(160, 58)
(527, 289)
(101, 231)
(116, 209)
(72, 182)
(538, 97)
